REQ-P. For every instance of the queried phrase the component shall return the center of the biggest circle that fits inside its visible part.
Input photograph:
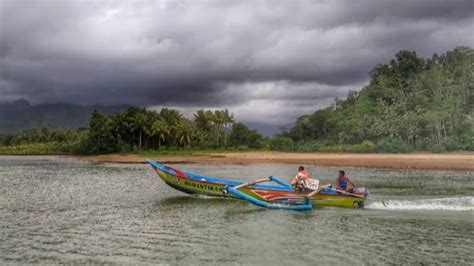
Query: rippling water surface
(55, 210)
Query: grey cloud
(213, 53)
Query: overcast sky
(267, 61)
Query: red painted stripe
(179, 173)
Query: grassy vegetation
(158, 153)
(73, 148)
(363, 147)
(47, 148)
(323, 146)
(56, 148)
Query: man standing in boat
(342, 182)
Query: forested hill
(410, 102)
(20, 115)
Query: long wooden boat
(266, 195)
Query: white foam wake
(443, 204)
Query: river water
(57, 210)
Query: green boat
(279, 195)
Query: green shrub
(468, 140)
(242, 148)
(363, 147)
(281, 143)
(312, 146)
(453, 144)
(437, 148)
(392, 146)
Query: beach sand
(446, 161)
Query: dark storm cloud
(268, 59)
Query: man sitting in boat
(342, 182)
(302, 181)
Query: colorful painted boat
(279, 194)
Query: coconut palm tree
(161, 130)
(221, 119)
(218, 121)
(139, 125)
(171, 116)
(184, 132)
(228, 120)
(202, 120)
(120, 126)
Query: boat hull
(203, 186)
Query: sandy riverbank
(450, 161)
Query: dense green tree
(101, 138)
(426, 103)
(281, 143)
(242, 136)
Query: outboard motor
(358, 190)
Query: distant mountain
(20, 115)
(265, 129)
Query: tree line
(410, 103)
(136, 129)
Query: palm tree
(221, 119)
(228, 120)
(171, 116)
(202, 120)
(120, 126)
(184, 132)
(218, 120)
(161, 130)
(139, 124)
